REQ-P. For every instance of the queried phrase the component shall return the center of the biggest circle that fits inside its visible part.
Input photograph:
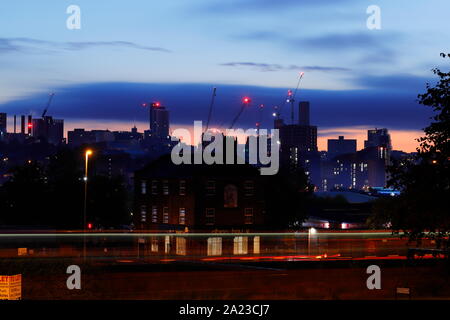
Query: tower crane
(245, 102)
(211, 105)
(258, 123)
(48, 104)
(290, 98)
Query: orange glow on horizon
(401, 139)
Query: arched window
(230, 196)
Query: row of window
(210, 187)
(210, 215)
(165, 187)
(165, 216)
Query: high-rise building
(159, 121)
(358, 170)
(298, 145)
(303, 118)
(3, 123)
(378, 138)
(340, 146)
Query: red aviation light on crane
(246, 100)
(156, 104)
(289, 93)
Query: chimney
(303, 113)
(22, 124)
(30, 124)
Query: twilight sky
(127, 52)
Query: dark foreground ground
(131, 279)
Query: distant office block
(340, 146)
(29, 125)
(303, 113)
(49, 129)
(159, 121)
(378, 138)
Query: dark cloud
(30, 45)
(6, 46)
(267, 67)
(331, 41)
(373, 47)
(395, 109)
(359, 40)
(393, 83)
(258, 66)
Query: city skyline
(354, 77)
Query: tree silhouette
(422, 209)
(52, 195)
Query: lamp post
(87, 154)
(311, 232)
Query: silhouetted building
(159, 121)
(3, 125)
(303, 118)
(378, 138)
(157, 140)
(337, 147)
(298, 146)
(78, 137)
(49, 129)
(3, 122)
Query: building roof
(351, 197)
(163, 167)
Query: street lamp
(311, 232)
(87, 154)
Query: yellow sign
(11, 287)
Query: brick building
(199, 197)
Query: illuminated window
(154, 244)
(214, 246)
(182, 187)
(165, 214)
(210, 187)
(240, 245)
(143, 213)
(165, 187)
(154, 214)
(154, 187)
(210, 216)
(167, 244)
(182, 216)
(180, 244)
(256, 245)
(248, 213)
(143, 187)
(249, 188)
